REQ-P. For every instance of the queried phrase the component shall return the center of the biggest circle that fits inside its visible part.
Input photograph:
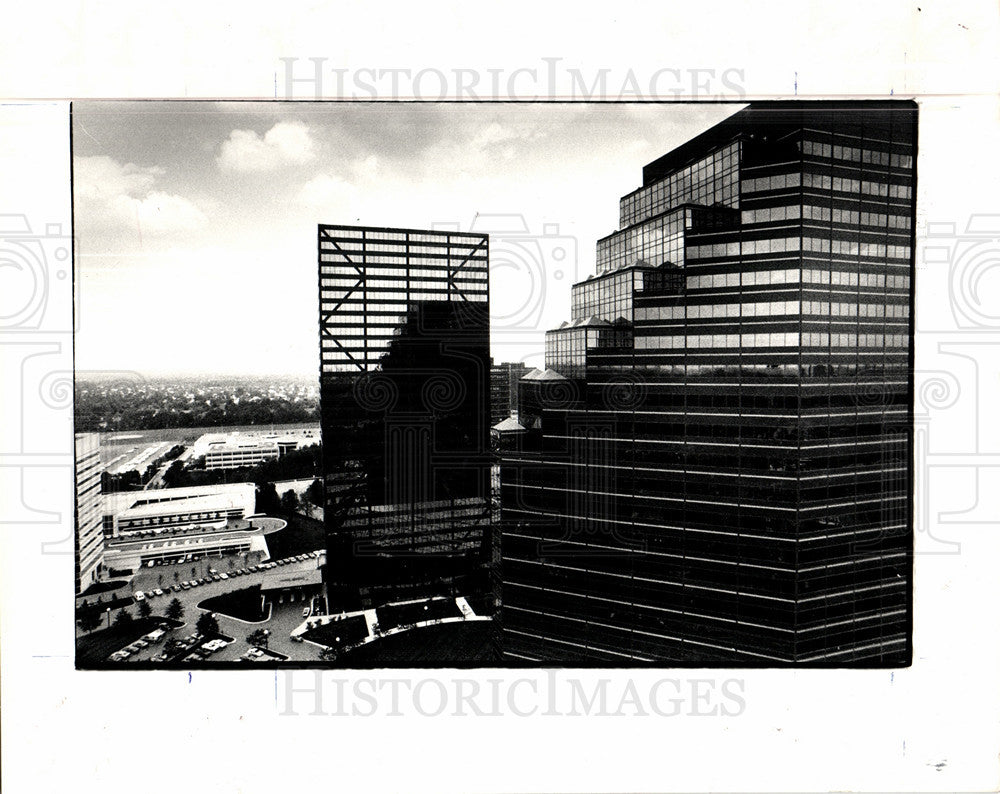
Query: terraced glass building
(717, 468)
(404, 404)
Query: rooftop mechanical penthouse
(717, 463)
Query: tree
(90, 620)
(258, 638)
(289, 501)
(175, 610)
(124, 618)
(267, 498)
(145, 609)
(207, 624)
(328, 654)
(314, 493)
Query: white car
(223, 575)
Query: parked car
(214, 645)
(305, 612)
(223, 575)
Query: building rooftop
(509, 425)
(549, 374)
(116, 503)
(191, 504)
(588, 322)
(294, 578)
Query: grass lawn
(340, 632)
(405, 614)
(95, 648)
(244, 604)
(102, 587)
(300, 536)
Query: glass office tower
(717, 467)
(404, 401)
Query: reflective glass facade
(731, 484)
(404, 400)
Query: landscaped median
(245, 604)
(339, 634)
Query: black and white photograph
(359, 433)
(460, 398)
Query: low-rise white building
(249, 448)
(175, 524)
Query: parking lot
(282, 619)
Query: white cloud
(115, 195)
(286, 143)
(327, 192)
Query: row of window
(349, 234)
(795, 276)
(855, 340)
(750, 278)
(856, 154)
(779, 339)
(897, 311)
(853, 248)
(770, 309)
(698, 341)
(657, 240)
(379, 284)
(711, 180)
(410, 269)
(790, 245)
(793, 212)
(853, 217)
(376, 298)
(383, 262)
(773, 182)
(608, 297)
(855, 279)
(825, 182)
(845, 185)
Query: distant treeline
(110, 409)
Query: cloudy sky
(196, 222)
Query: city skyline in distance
(183, 209)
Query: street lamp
(108, 612)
